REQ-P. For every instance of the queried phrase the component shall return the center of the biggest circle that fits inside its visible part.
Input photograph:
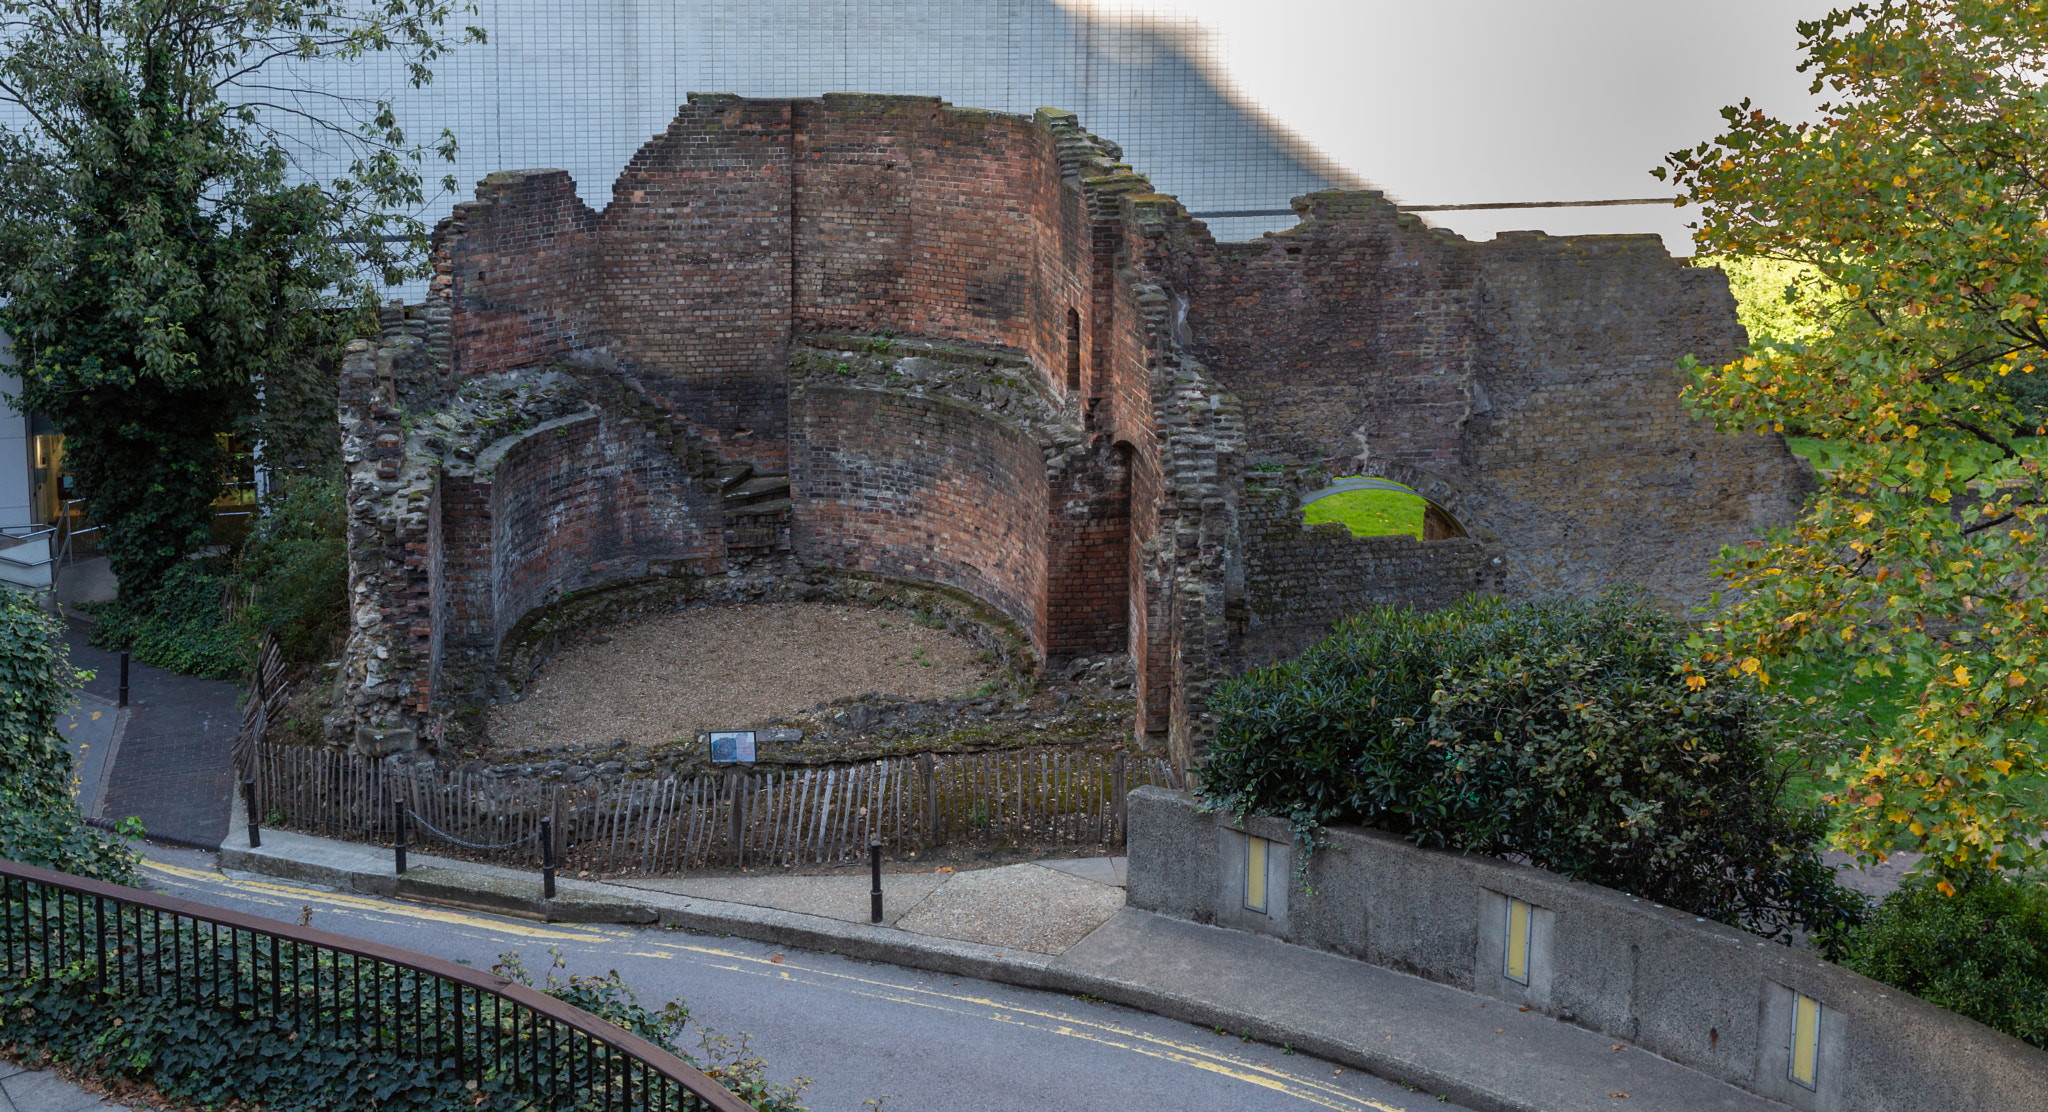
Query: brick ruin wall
(1526, 385)
(1061, 426)
(1299, 581)
(950, 495)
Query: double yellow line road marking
(648, 944)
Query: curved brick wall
(949, 495)
(584, 501)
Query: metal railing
(67, 523)
(466, 1027)
(28, 534)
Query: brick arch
(1435, 489)
(1438, 523)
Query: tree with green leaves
(1778, 301)
(164, 242)
(1920, 193)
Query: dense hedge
(291, 574)
(229, 1051)
(39, 819)
(1567, 734)
(1982, 952)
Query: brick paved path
(172, 769)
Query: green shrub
(295, 569)
(39, 819)
(292, 573)
(1567, 734)
(226, 1047)
(1982, 952)
(729, 1060)
(180, 626)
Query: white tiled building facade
(579, 85)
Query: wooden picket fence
(269, 691)
(737, 818)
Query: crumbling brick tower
(883, 336)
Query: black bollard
(124, 677)
(249, 801)
(875, 872)
(547, 858)
(398, 817)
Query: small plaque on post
(732, 747)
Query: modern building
(581, 85)
(28, 494)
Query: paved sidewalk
(92, 733)
(29, 1090)
(174, 768)
(1061, 926)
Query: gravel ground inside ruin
(734, 667)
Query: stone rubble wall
(1301, 581)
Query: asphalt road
(926, 1042)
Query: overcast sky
(1514, 100)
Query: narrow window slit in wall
(1073, 352)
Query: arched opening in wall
(1073, 352)
(1373, 507)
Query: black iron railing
(470, 1029)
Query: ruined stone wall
(1066, 433)
(518, 265)
(749, 220)
(469, 508)
(1527, 385)
(696, 253)
(1579, 455)
(1352, 334)
(1300, 580)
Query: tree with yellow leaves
(1921, 195)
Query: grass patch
(1371, 513)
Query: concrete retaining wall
(1702, 994)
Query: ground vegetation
(1981, 952)
(39, 819)
(288, 581)
(234, 1052)
(1371, 513)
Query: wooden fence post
(1117, 788)
(928, 772)
(732, 789)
